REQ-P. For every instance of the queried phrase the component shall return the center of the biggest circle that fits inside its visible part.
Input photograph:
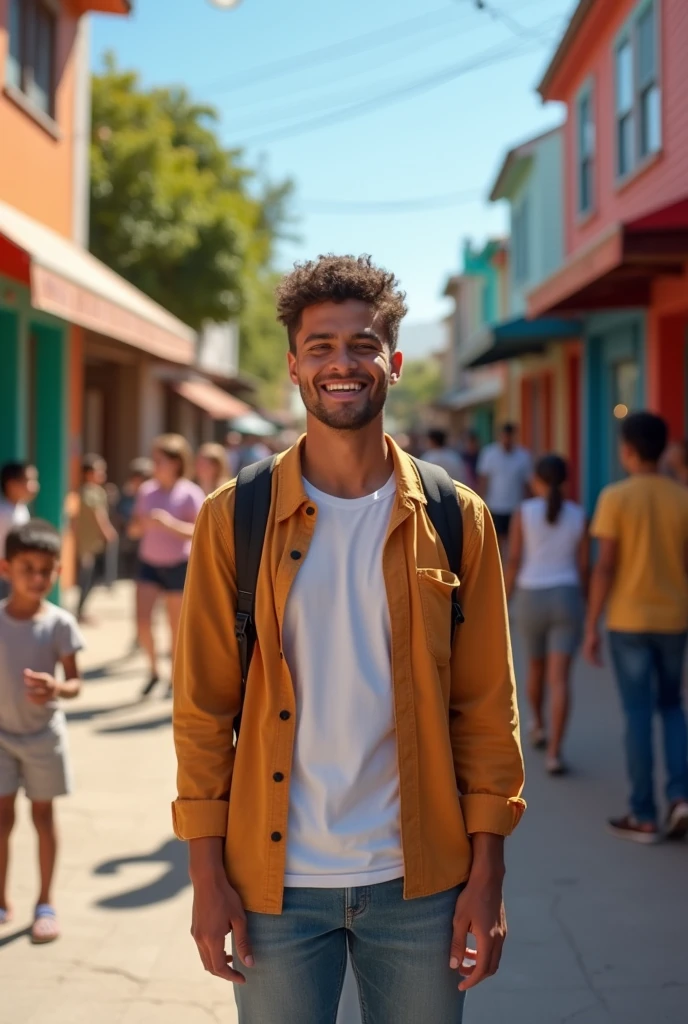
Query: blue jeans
(399, 953)
(649, 672)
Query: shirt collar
(291, 494)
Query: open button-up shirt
(459, 755)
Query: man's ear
(4, 569)
(291, 364)
(397, 362)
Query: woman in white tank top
(548, 565)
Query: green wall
(50, 419)
(10, 446)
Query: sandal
(6, 916)
(45, 927)
(538, 738)
(555, 766)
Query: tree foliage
(182, 217)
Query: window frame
(520, 239)
(629, 34)
(24, 93)
(586, 95)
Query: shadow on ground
(6, 940)
(146, 726)
(88, 714)
(171, 855)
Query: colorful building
(475, 399)
(87, 362)
(622, 72)
(542, 356)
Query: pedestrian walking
(470, 453)
(34, 637)
(504, 472)
(140, 470)
(92, 527)
(378, 768)
(18, 488)
(163, 521)
(548, 564)
(641, 578)
(440, 454)
(211, 467)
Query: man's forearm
(206, 857)
(488, 855)
(600, 587)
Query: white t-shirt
(344, 815)
(550, 549)
(450, 461)
(507, 475)
(11, 516)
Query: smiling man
(365, 805)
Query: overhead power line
(335, 51)
(418, 205)
(396, 95)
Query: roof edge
(573, 28)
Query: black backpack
(251, 511)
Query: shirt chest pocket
(437, 588)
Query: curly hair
(333, 278)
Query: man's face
(343, 364)
(508, 439)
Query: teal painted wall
(47, 401)
(477, 263)
(611, 340)
(10, 362)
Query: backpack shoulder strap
(251, 511)
(445, 515)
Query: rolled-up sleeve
(207, 678)
(484, 724)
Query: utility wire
(448, 74)
(334, 206)
(514, 26)
(335, 51)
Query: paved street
(599, 929)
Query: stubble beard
(346, 418)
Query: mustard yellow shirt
(647, 515)
(460, 761)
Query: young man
(440, 454)
(34, 636)
(504, 469)
(92, 527)
(641, 577)
(378, 770)
(18, 488)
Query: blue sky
(433, 143)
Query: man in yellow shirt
(364, 807)
(642, 577)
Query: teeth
(343, 387)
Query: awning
(477, 394)
(104, 6)
(617, 269)
(217, 403)
(521, 337)
(70, 283)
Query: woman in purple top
(164, 517)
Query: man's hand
(480, 912)
(217, 910)
(592, 647)
(41, 687)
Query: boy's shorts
(38, 762)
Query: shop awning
(617, 269)
(207, 396)
(521, 337)
(70, 283)
(104, 6)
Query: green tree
(420, 385)
(179, 215)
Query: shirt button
(276, 837)
(296, 555)
(278, 777)
(284, 715)
(310, 511)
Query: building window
(31, 59)
(519, 242)
(638, 93)
(586, 152)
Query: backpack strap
(251, 511)
(445, 515)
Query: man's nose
(343, 360)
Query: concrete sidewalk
(598, 928)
